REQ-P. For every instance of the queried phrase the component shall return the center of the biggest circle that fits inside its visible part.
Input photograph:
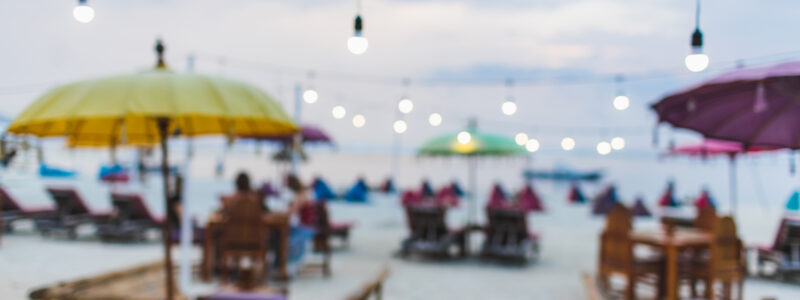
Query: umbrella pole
(163, 124)
(732, 185)
(473, 191)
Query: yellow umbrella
(146, 108)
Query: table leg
(672, 273)
(283, 253)
(207, 265)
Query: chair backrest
(788, 239)
(506, 226)
(726, 248)
(131, 207)
(68, 201)
(427, 223)
(706, 218)
(8, 202)
(616, 249)
(243, 226)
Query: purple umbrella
(756, 106)
(309, 133)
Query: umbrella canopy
(756, 106)
(308, 133)
(148, 107)
(478, 144)
(710, 147)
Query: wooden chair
(724, 263)
(617, 256)
(429, 233)
(706, 219)
(508, 238)
(322, 236)
(373, 287)
(243, 235)
(784, 253)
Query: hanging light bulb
(621, 102)
(435, 119)
(338, 112)
(405, 105)
(521, 138)
(509, 107)
(697, 61)
(464, 137)
(310, 96)
(359, 121)
(532, 145)
(603, 148)
(83, 12)
(617, 143)
(358, 44)
(400, 126)
(567, 143)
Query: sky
(563, 56)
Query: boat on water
(564, 173)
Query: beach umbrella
(794, 202)
(471, 144)
(639, 209)
(604, 201)
(712, 147)
(145, 108)
(308, 134)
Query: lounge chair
(322, 190)
(447, 197)
(784, 253)
(12, 211)
(430, 235)
(71, 212)
(131, 220)
(508, 238)
(528, 200)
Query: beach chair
(784, 253)
(706, 219)
(617, 256)
(528, 200)
(508, 238)
(724, 263)
(130, 221)
(357, 193)
(13, 211)
(498, 197)
(316, 216)
(447, 197)
(71, 211)
(322, 190)
(430, 234)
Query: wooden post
(163, 126)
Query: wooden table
(273, 221)
(671, 244)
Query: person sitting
(299, 235)
(244, 192)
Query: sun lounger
(358, 193)
(784, 253)
(13, 211)
(447, 197)
(131, 220)
(430, 235)
(322, 190)
(528, 200)
(71, 211)
(508, 238)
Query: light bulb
(464, 137)
(310, 96)
(617, 143)
(603, 148)
(83, 12)
(567, 143)
(435, 119)
(400, 126)
(359, 121)
(405, 105)
(697, 60)
(521, 138)
(338, 112)
(509, 107)
(357, 44)
(532, 145)
(622, 102)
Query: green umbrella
(472, 143)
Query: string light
(464, 137)
(603, 148)
(532, 145)
(310, 95)
(567, 143)
(618, 143)
(697, 61)
(400, 126)
(435, 119)
(509, 107)
(338, 112)
(83, 12)
(359, 121)
(405, 105)
(358, 44)
(521, 138)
